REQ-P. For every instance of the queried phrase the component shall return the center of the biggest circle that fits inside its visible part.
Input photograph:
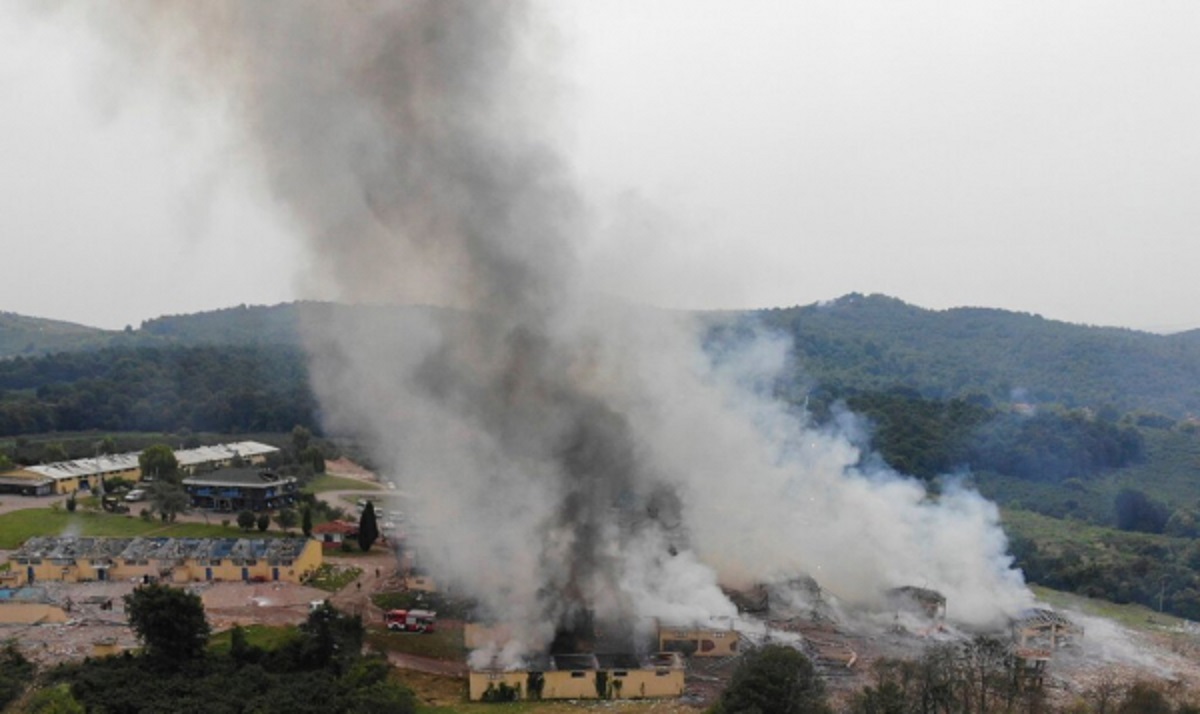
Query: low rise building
(220, 456)
(63, 477)
(178, 560)
(241, 490)
(333, 534)
(71, 476)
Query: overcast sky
(1032, 156)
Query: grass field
(18, 526)
(265, 636)
(325, 482)
(439, 644)
(1132, 616)
(331, 578)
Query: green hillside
(21, 335)
(867, 343)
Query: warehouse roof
(222, 452)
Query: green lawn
(331, 578)
(1133, 616)
(265, 636)
(325, 482)
(18, 526)
(439, 644)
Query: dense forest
(221, 389)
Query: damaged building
(928, 606)
(581, 676)
(1036, 636)
(178, 560)
(699, 641)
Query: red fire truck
(410, 620)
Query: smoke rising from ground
(568, 457)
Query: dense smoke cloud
(566, 456)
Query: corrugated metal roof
(110, 463)
(114, 463)
(222, 452)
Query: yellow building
(582, 676)
(179, 560)
(699, 642)
(66, 477)
(78, 475)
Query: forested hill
(850, 345)
(869, 343)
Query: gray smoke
(571, 461)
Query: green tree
(15, 673)
(774, 680)
(263, 522)
(54, 700)
(368, 529)
(286, 518)
(159, 463)
(53, 453)
(301, 439)
(240, 649)
(168, 499)
(245, 520)
(306, 521)
(169, 622)
(72, 504)
(313, 457)
(107, 445)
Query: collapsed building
(180, 560)
(1037, 634)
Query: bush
(774, 680)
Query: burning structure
(645, 461)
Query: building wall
(699, 643)
(30, 613)
(479, 682)
(646, 683)
(634, 683)
(569, 685)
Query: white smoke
(566, 456)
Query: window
(577, 675)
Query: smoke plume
(572, 462)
